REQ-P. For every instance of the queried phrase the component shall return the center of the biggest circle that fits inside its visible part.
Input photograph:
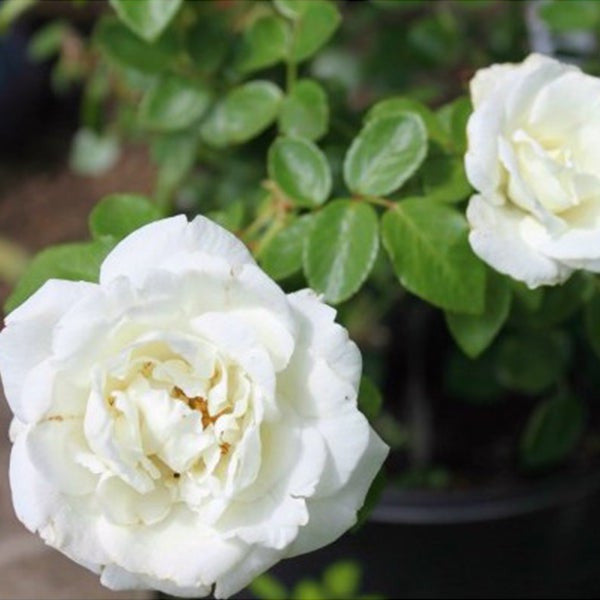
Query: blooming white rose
(534, 158)
(184, 423)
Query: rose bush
(184, 423)
(533, 158)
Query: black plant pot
(538, 541)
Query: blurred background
(68, 136)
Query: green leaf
(342, 247)
(146, 18)
(444, 179)
(118, 215)
(591, 317)
(175, 155)
(300, 170)
(474, 333)
(387, 151)
(173, 103)
(427, 243)
(530, 300)
(370, 400)
(454, 117)
(316, 23)
(553, 431)
(77, 262)
(267, 587)
(401, 104)
(282, 255)
(126, 50)
(532, 362)
(93, 154)
(265, 43)
(473, 381)
(305, 112)
(46, 42)
(556, 305)
(292, 9)
(309, 590)
(11, 10)
(245, 112)
(373, 496)
(342, 579)
(567, 16)
(207, 43)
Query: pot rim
(424, 507)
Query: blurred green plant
(330, 136)
(340, 581)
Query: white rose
(534, 158)
(184, 424)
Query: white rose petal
(183, 424)
(534, 160)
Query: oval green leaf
(305, 112)
(118, 215)
(173, 103)
(474, 333)
(401, 104)
(387, 151)
(77, 262)
(553, 431)
(341, 249)
(126, 50)
(146, 18)
(300, 170)
(532, 362)
(428, 246)
(245, 112)
(265, 43)
(282, 255)
(315, 24)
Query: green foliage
(444, 178)
(592, 323)
(454, 117)
(474, 381)
(47, 41)
(427, 244)
(126, 50)
(242, 131)
(267, 587)
(11, 10)
(553, 431)
(567, 15)
(76, 262)
(245, 112)
(341, 249)
(146, 18)
(373, 496)
(314, 24)
(116, 216)
(305, 112)
(300, 170)
(474, 333)
(533, 362)
(369, 398)
(401, 104)
(340, 581)
(265, 43)
(281, 256)
(173, 103)
(385, 154)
